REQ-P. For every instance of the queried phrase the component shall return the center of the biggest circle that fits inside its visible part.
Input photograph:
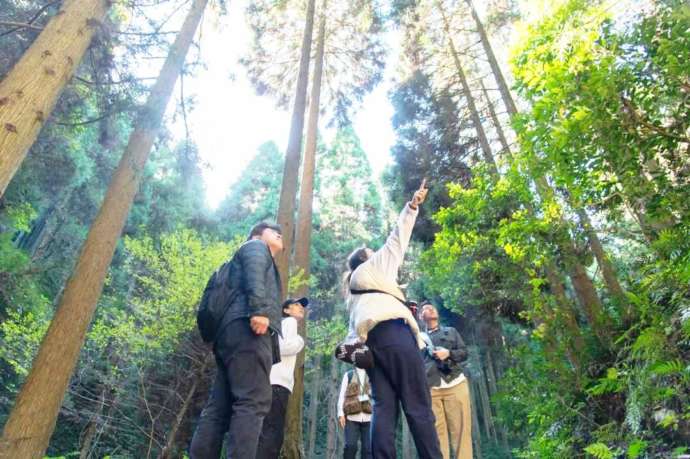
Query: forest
(555, 138)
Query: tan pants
(453, 413)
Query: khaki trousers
(452, 409)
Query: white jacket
(380, 272)
(291, 343)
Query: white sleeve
(387, 259)
(291, 343)
(341, 397)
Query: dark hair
(420, 308)
(259, 229)
(356, 258)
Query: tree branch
(19, 25)
(29, 23)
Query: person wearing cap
(450, 391)
(282, 378)
(381, 324)
(245, 348)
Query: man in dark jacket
(245, 349)
(450, 394)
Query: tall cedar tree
(30, 90)
(292, 448)
(32, 420)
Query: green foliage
(169, 276)
(606, 122)
(600, 451)
(324, 335)
(353, 51)
(254, 197)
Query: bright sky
(228, 121)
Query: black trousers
(357, 432)
(398, 377)
(272, 432)
(240, 397)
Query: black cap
(304, 301)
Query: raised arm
(387, 259)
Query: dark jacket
(255, 282)
(451, 368)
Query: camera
(442, 365)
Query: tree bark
(493, 63)
(474, 113)
(332, 432)
(314, 410)
(293, 424)
(486, 405)
(288, 192)
(30, 90)
(607, 270)
(496, 121)
(33, 417)
(476, 432)
(292, 448)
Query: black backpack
(215, 301)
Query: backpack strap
(373, 290)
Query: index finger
(423, 185)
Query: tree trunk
(486, 404)
(589, 299)
(314, 410)
(332, 432)
(293, 423)
(493, 388)
(30, 90)
(167, 451)
(306, 197)
(474, 113)
(476, 432)
(33, 417)
(584, 288)
(288, 192)
(574, 343)
(493, 63)
(496, 121)
(489, 370)
(607, 270)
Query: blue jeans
(398, 377)
(357, 432)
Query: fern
(636, 448)
(600, 451)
